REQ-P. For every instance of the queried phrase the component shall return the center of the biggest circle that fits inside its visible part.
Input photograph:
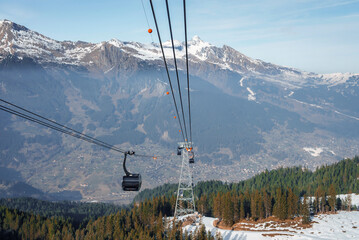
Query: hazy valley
(248, 115)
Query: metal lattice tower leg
(185, 200)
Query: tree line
(146, 220)
(77, 211)
(284, 193)
(232, 207)
(343, 175)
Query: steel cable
(176, 68)
(167, 71)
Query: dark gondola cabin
(191, 157)
(179, 150)
(131, 181)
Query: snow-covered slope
(343, 225)
(354, 198)
(21, 41)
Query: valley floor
(343, 225)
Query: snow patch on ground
(141, 128)
(162, 81)
(309, 104)
(315, 152)
(251, 95)
(143, 51)
(346, 115)
(143, 90)
(165, 136)
(344, 225)
(110, 69)
(320, 107)
(355, 199)
(241, 81)
(78, 53)
(333, 79)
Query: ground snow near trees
(342, 225)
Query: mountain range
(247, 115)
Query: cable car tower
(185, 200)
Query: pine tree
(217, 206)
(267, 201)
(227, 210)
(254, 208)
(117, 226)
(235, 202)
(202, 204)
(316, 205)
(280, 206)
(323, 200)
(261, 210)
(241, 207)
(218, 236)
(276, 207)
(160, 227)
(332, 197)
(292, 202)
(305, 211)
(202, 233)
(247, 204)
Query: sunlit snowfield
(343, 225)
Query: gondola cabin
(191, 157)
(131, 181)
(179, 151)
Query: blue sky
(320, 36)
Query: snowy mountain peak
(176, 43)
(6, 26)
(4, 21)
(196, 38)
(197, 41)
(115, 42)
(333, 79)
(20, 41)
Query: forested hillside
(143, 221)
(76, 211)
(280, 194)
(343, 175)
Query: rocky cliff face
(248, 115)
